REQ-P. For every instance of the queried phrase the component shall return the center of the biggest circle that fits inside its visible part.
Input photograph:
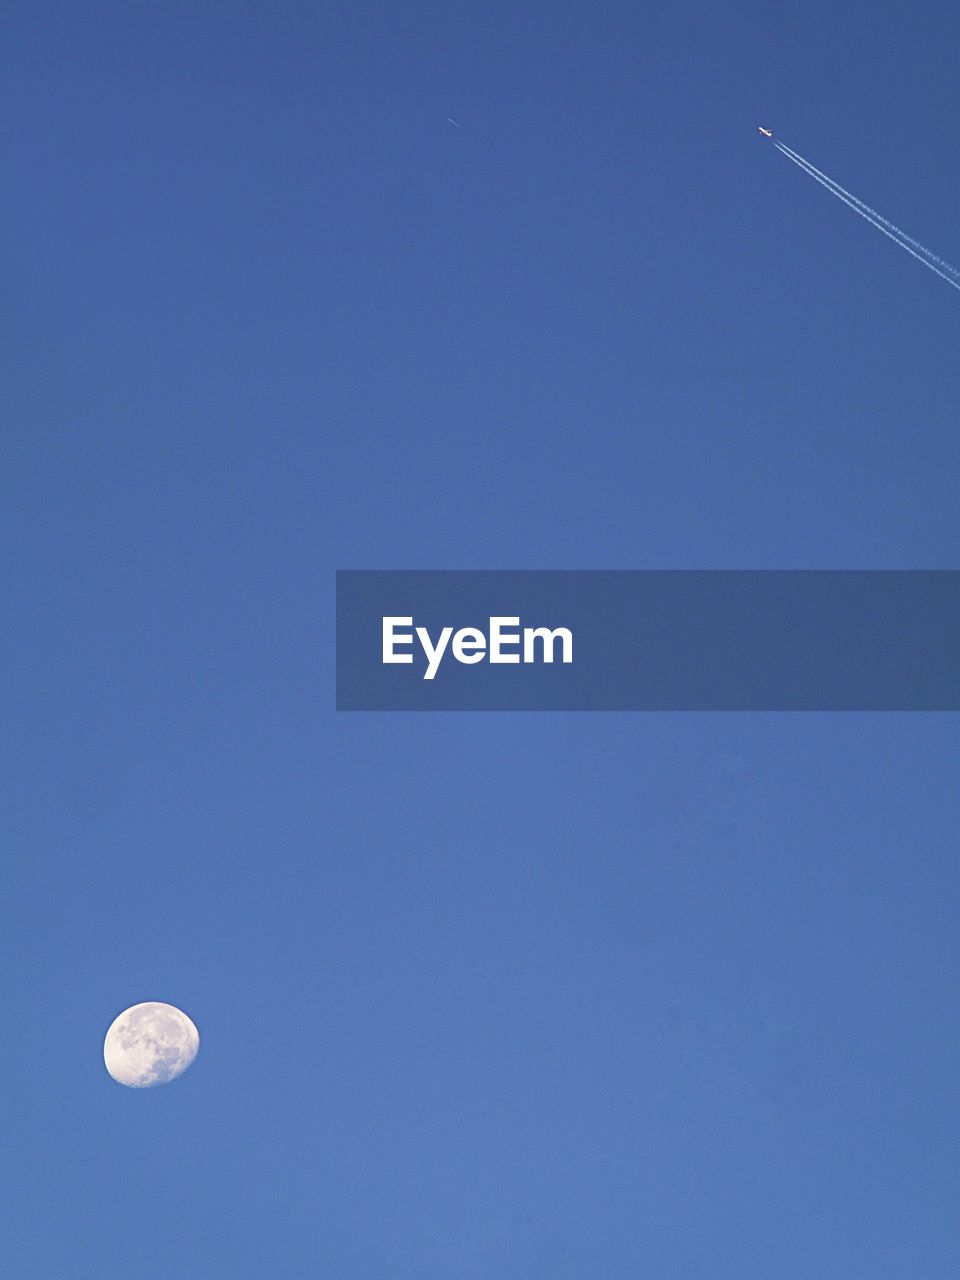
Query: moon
(150, 1044)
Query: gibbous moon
(150, 1044)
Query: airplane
(767, 133)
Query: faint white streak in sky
(929, 260)
(878, 217)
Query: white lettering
(391, 639)
(469, 645)
(531, 634)
(434, 654)
(498, 638)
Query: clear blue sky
(479, 996)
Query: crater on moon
(150, 1044)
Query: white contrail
(922, 248)
(834, 191)
(934, 257)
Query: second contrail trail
(922, 248)
(852, 203)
